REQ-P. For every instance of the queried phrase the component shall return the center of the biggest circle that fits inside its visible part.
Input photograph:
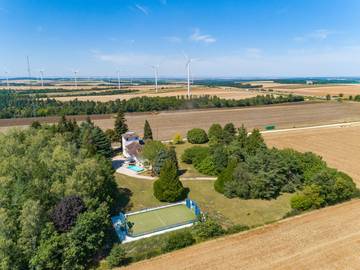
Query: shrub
(195, 154)
(66, 211)
(177, 139)
(117, 256)
(168, 187)
(309, 198)
(178, 240)
(206, 166)
(208, 229)
(215, 132)
(197, 136)
(151, 150)
(237, 228)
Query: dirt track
(325, 239)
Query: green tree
(254, 142)
(168, 187)
(30, 227)
(310, 197)
(197, 136)
(117, 256)
(225, 176)
(215, 134)
(229, 133)
(147, 131)
(120, 125)
(151, 150)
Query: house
(131, 146)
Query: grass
(156, 219)
(188, 169)
(226, 211)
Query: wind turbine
(118, 77)
(75, 78)
(42, 77)
(156, 73)
(188, 62)
(7, 78)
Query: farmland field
(166, 124)
(167, 91)
(317, 90)
(339, 146)
(317, 240)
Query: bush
(177, 139)
(208, 229)
(117, 256)
(197, 136)
(195, 154)
(309, 198)
(151, 150)
(178, 240)
(215, 133)
(207, 166)
(237, 228)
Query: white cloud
(173, 39)
(198, 37)
(142, 9)
(319, 35)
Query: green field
(158, 219)
(226, 211)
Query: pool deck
(120, 167)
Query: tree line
(246, 168)
(15, 105)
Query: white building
(131, 146)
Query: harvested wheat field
(324, 239)
(339, 146)
(321, 90)
(227, 93)
(166, 124)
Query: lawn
(155, 220)
(227, 211)
(187, 169)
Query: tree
(110, 133)
(195, 154)
(101, 142)
(151, 149)
(120, 125)
(159, 161)
(168, 187)
(225, 176)
(117, 256)
(177, 139)
(215, 133)
(229, 133)
(30, 227)
(310, 197)
(35, 124)
(66, 211)
(254, 142)
(242, 136)
(147, 131)
(197, 136)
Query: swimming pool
(135, 168)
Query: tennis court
(160, 219)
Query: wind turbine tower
(156, 73)
(188, 62)
(42, 77)
(119, 82)
(28, 68)
(7, 79)
(75, 78)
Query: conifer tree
(120, 125)
(147, 131)
(168, 187)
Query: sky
(228, 38)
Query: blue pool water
(135, 168)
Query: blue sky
(228, 38)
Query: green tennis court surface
(159, 219)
